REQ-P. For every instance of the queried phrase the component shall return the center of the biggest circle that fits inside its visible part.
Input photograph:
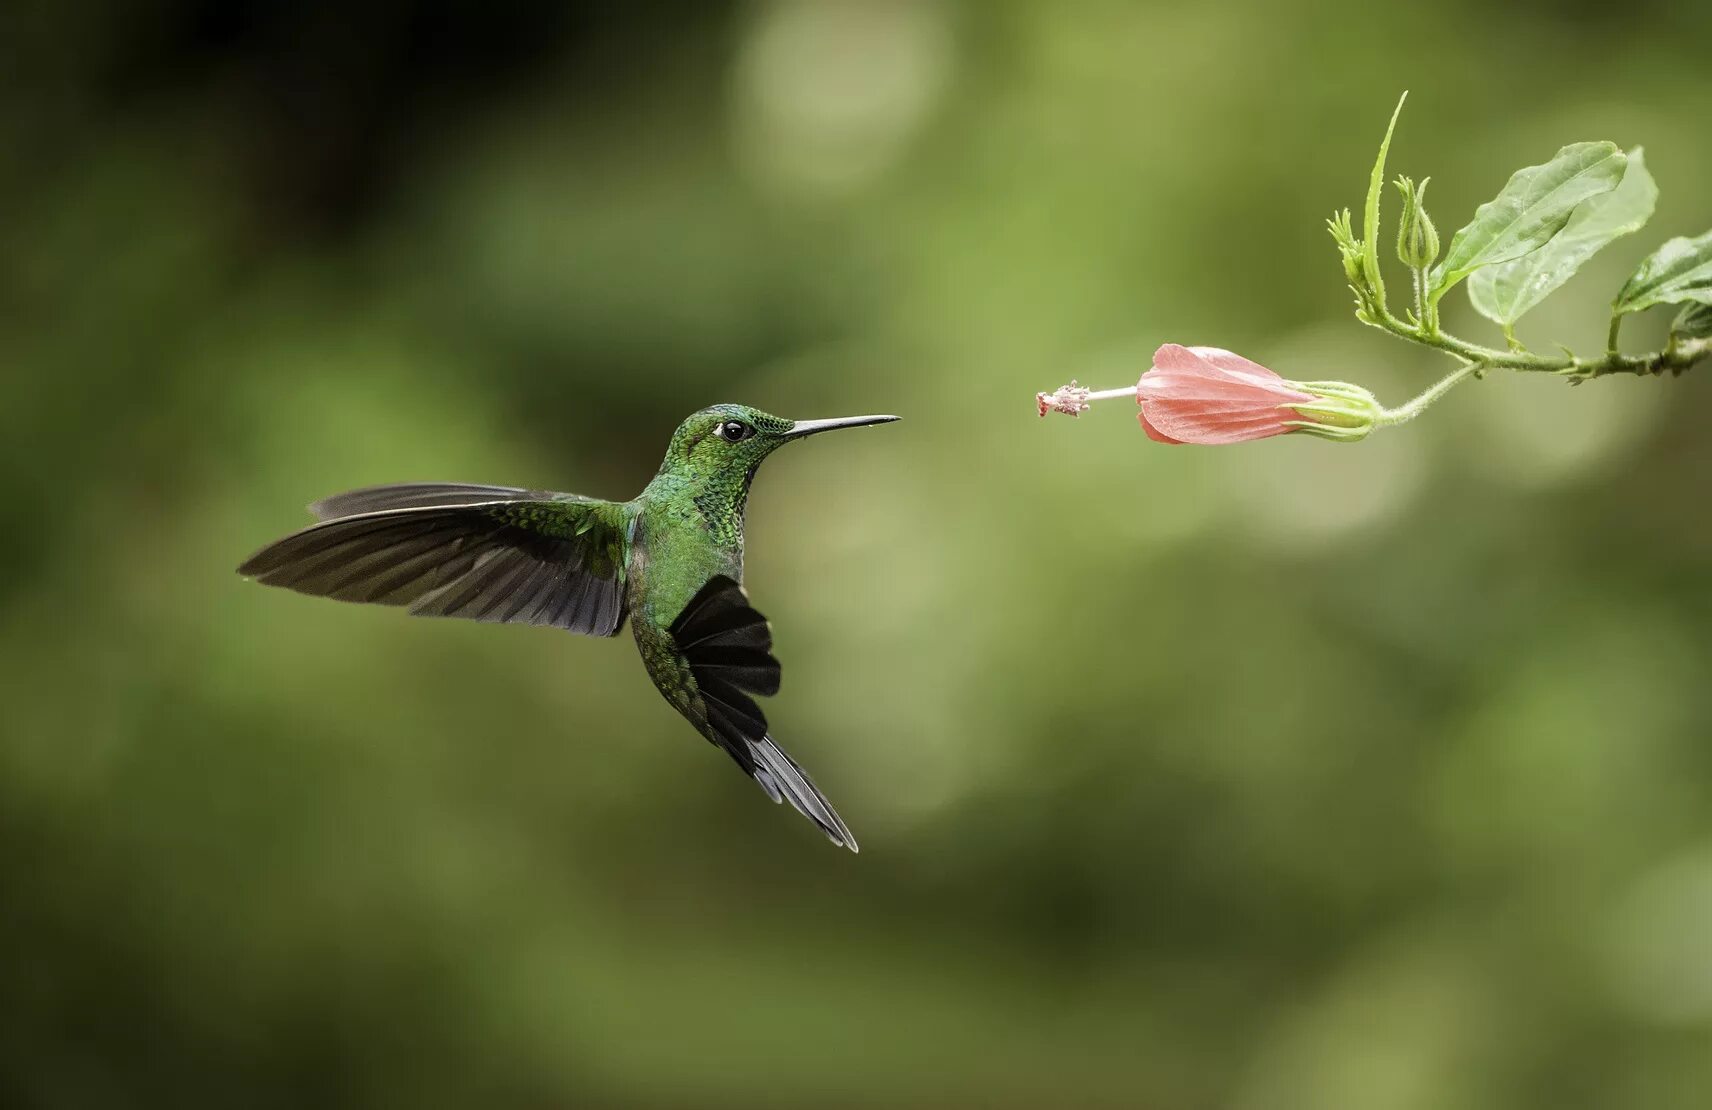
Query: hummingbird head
(725, 439)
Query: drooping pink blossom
(1212, 396)
(1209, 395)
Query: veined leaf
(1693, 322)
(1502, 293)
(1530, 209)
(1679, 271)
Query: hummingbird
(670, 559)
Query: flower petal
(1153, 433)
(1192, 423)
(1211, 395)
(1182, 372)
(1230, 361)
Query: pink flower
(1209, 395)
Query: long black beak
(809, 427)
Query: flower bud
(1417, 238)
(1349, 251)
(1355, 270)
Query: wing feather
(422, 495)
(549, 559)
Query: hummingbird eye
(734, 431)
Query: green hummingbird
(671, 559)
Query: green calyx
(1340, 412)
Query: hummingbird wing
(523, 558)
(414, 495)
(724, 650)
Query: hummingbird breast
(675, 550)
(673, 554)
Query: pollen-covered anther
(1071, 400)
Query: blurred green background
(1281, 777)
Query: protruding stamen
(1072, 400)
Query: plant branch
(1675, 358)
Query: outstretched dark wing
(417, 495)
(523, 557)
(727, 648)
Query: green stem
(1611, 336)
(1404, 413)
(1675, 358)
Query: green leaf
(1502, 293)
(1530, 209)
(1370, 215)
(1679, 271)
(1693, 322)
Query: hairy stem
(1404, 413)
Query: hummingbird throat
(722, 500)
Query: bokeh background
(1280, 777)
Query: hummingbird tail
(727, 648)
(780, 777)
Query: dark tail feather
(728, 648)
(779, 776)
